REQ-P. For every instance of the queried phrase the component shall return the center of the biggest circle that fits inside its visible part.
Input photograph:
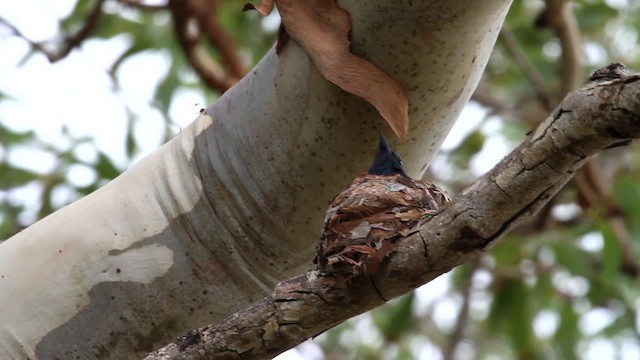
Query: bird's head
(386, 161)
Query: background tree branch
(603, 114)
(58, 49)
(559, 17)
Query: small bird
(365, 220)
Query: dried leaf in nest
(322, 28)
(365, 221)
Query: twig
(599, 116)
(68, 41)
(15, 31)
(536, 80)
(559, 17)
(209, 71)
(205, 12)
(593, 194)
(457, 335)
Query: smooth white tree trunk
(211, 220)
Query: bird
(365, 220)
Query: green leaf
(508, 252)
(568, 334)
(105, 167)
(593, 16)
(461, 275)
(511, 314)
(543, 290)
(8, 137)
(131, 143)
(471, 145)
(620, 325)
(611, 252)
(13, 176)
(8, 220)
(396, 318)
(627, 193)
(166, 88)
(576, 260)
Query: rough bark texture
(603, 114)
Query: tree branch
(519, 57)
(205, 11)
(603, 114)
(457, 335)
(188, 36)
(68, 42)
(559, 17)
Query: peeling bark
(601, 115)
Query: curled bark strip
(322, 28)
(600, 115)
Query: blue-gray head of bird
(386, 161)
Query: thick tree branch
(603, 114)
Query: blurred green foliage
(533, 295)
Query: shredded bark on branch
(601, 115)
